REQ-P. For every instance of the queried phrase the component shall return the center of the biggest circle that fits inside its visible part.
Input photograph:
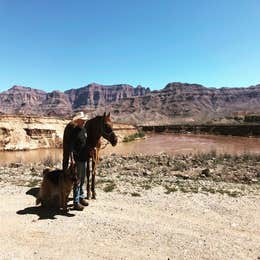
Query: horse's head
(107, 129)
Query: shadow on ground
(42, 212)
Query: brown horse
(100, 126)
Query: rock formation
(33, 132)
(95, 95)
(21, 100)
(30, 132)
(177, 102)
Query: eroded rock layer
(177, 102)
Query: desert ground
(147, 207)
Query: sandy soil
(120, 226)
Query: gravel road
(128, 223)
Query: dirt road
(154, 225)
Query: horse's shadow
(42, 212)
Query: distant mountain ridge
(175, 102)
(95, 95)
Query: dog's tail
(38, 200)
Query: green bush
(139, 134)
(109, 187)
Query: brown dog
(56, 187)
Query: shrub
(48, 161)
(136, 194)
(139, 134)
(109, 187)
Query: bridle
(104, 133)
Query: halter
(103, 130)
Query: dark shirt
(79, 144)
(74, 141)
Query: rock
(182, 176)
(146, 173)
(205, 173)
(15, 165)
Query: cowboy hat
(80, 115)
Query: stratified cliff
(30, 132)
(177, 102)
(95, 95)
(28, 101)
(34, 132)
(21, 100)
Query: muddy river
(152, 144)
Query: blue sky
(59, 45)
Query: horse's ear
(106, 115)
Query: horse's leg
(88, 175)
(93, 178)
(97, 155)
(94, 164)
(63, 203)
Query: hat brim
(80, 117)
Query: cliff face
(28, 101)
(56, 103)
(21, 100)
(95, 95)
(176, 102)
(24, 132)
(34, 132)
(179, 102)
(196, 100)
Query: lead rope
(104, 145)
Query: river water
(152, 144)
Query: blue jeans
(78, 192)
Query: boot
(83, 202)
(78, 206)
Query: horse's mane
(91, 121)
(93, 128)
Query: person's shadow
(42, 212)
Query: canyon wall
(175, 103)
(32, 132)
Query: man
(74, 147)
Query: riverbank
(203, 206)
(244, 129)
(233, 175)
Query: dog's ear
(45, 171)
